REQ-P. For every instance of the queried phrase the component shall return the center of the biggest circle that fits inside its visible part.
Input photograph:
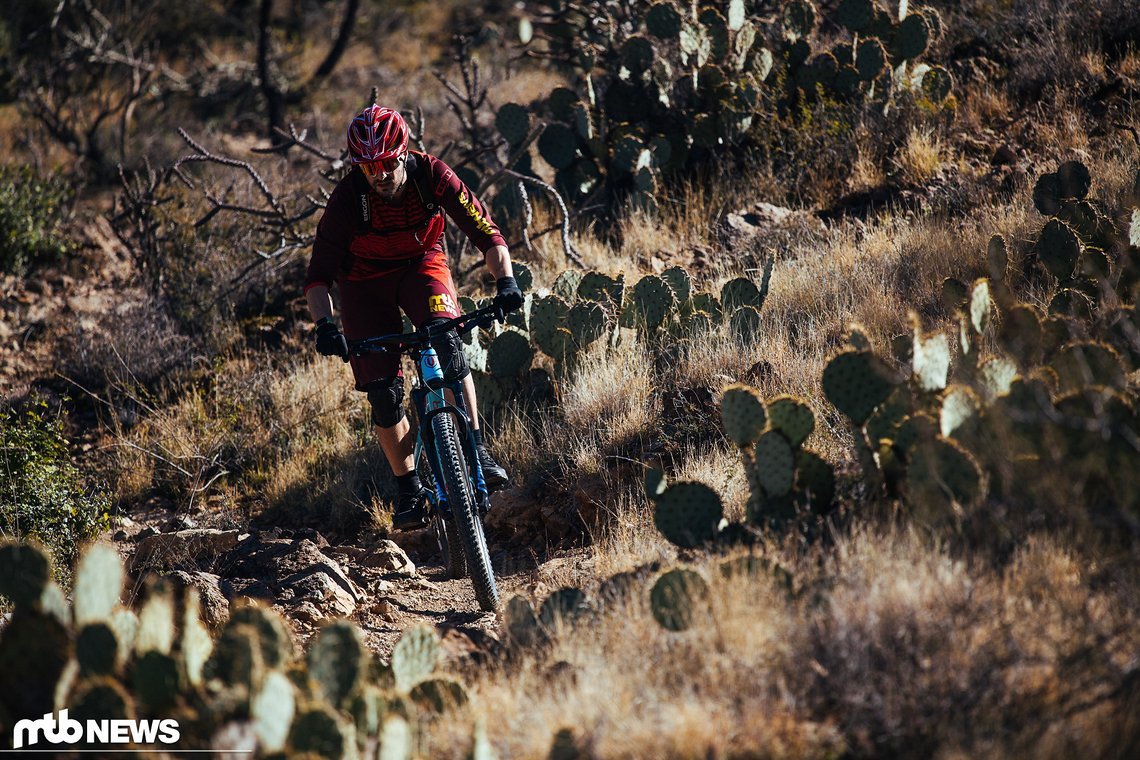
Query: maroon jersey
(396, 231)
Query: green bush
(42, 494)
(32, 209)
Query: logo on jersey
(441, 303)
(468, 203)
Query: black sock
(409, 483)
(478, 432)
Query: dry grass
(921, 157)
(895, 648)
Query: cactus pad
(156, 680)
(563, 607)
(338, 662)
(101, 699)
(595, 286)
(275, 645)
(798, 19)
(680, 282)
(663, 21)
(156, 621)
(522, 623)
(1020, 331)
(96, 649)
(1074, 179)
(1058, 248)
(954, 295)
(566, 284)
(792, 417)
(912, 36)
(855, 382)
(415, 656)
(1079, 365)
(743, 414)
(652, 300)
(558, 146)
(25, 571)
(509, 355)
(940, 475)
(870, 59)
(513, 122)
(317, 731)
(688, 514)
(98, 583)
(561, 103)
(775, 463)
(676, 598)
(937, 84)
(815, 481)
(980, 306)
(931, 361)
(438, 695)
(272, 710)
(959, 406)
(637, 54)
(856, 15)
(995, 377)
(738, 292)
(586, 321)
(1047, 194)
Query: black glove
(508, 297)
(330, 340)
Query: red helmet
(377, 134)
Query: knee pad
(387, 398)
(449, 349)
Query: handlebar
(400, 342)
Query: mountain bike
(458, 498)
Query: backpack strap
(417, 173)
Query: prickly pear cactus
(688, 514)
(677, 598)
(338, 662)
(415, 656)
(792, 417)
(743, 414)
(856, 382)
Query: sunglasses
(383, 166)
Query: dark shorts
(423, 288)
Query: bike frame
(430, 398)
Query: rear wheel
(466, 523)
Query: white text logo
(65, 730)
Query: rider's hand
(508, 296)
(330, 340)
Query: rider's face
(386, 182)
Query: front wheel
(464, 514)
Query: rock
(163, 551)
(294, 570)
(1004, 156)
(246, 587)
(390, 558)
(214, 605)
(322, 589)
(183, 522)
(306, 612)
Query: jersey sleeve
(467, 211)
(334, 234)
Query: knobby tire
(464, 514)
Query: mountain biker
(381, 241)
